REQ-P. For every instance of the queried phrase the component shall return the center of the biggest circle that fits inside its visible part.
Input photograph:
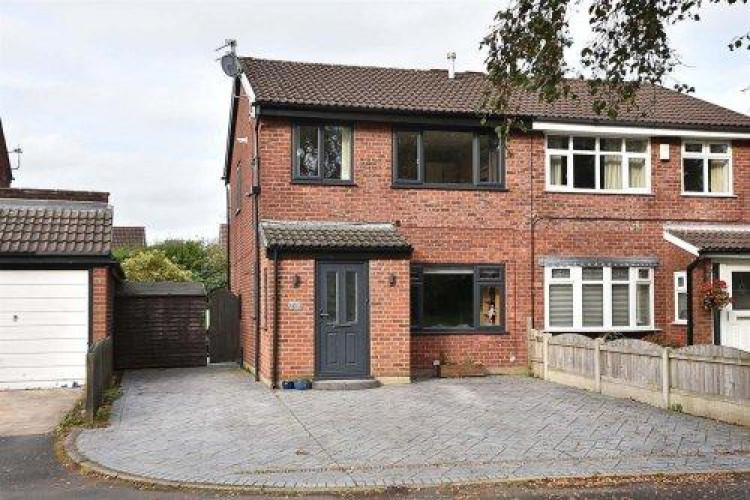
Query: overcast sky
(128, 98)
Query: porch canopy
(703, 239)
(329, 237)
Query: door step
(345, 385)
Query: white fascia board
(577, 128)
(681, 243)
(249, 92)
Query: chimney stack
(451, 65)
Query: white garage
(44, 328)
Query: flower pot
(302, 384)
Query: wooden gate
(224, 326)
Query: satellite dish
(231, 65)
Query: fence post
(598, 364)
(665, 383)
(90, 390)
(545, 355)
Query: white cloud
(128, 98)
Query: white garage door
(44, 318)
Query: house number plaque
(295, 305)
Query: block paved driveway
(215, 425)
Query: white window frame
(597, 153)
(679, 275)
(576, 278)
(706, 155)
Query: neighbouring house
(6, 175)
(56, 284)
(378, 227)
(128, 237)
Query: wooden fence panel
(711, 370)
(572, 353)
(632, 361)
(99, 368)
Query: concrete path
(34, 411)
(215, 425)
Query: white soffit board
(44, 328)
(680, 243)
(577, 128)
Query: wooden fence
(706, 380)
(99, 367)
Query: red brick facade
(457, 227)
(103, 298)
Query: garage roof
(54, 227)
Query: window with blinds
(599, 298)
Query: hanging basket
(715, 295)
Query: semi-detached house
(377, 225)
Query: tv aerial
(230, 64)
(18, 152)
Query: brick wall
(103, 303)
(471, 227)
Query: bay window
(598, 298)
(457, 298)
(447, 158)
(706, 168)
(322, 153)
(607, 164)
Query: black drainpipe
(689, 284)
(276, 303)
(255, 193)
(532, 230)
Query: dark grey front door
(342, 303)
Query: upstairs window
(599, 298)
(607, 164)
(706, 168)
(323, 153)
(447, 158)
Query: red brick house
(57, 280)
(378, 227)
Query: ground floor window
(680, 297)
(598, 298)
(457, 298)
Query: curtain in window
(558, 165)
(637, 172)
(717, 174)
(612, 172)
(346, 154)
(561, 305)
(593, 304)
(621, 305)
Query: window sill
(610, 192)
(449, 187)
(679, 323)
(312, 182)
(456, 331)
(602, 330)
(709, 195)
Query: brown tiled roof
(367, 88)
(55, 227)
(715, 239)
(128, 236)
(332, 236)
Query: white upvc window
(599, 298)
(680, 297)
(605, 164)
(706, 168)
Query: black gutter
(255, 196)
(61, 260)
(276, 305)
(689, 284)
